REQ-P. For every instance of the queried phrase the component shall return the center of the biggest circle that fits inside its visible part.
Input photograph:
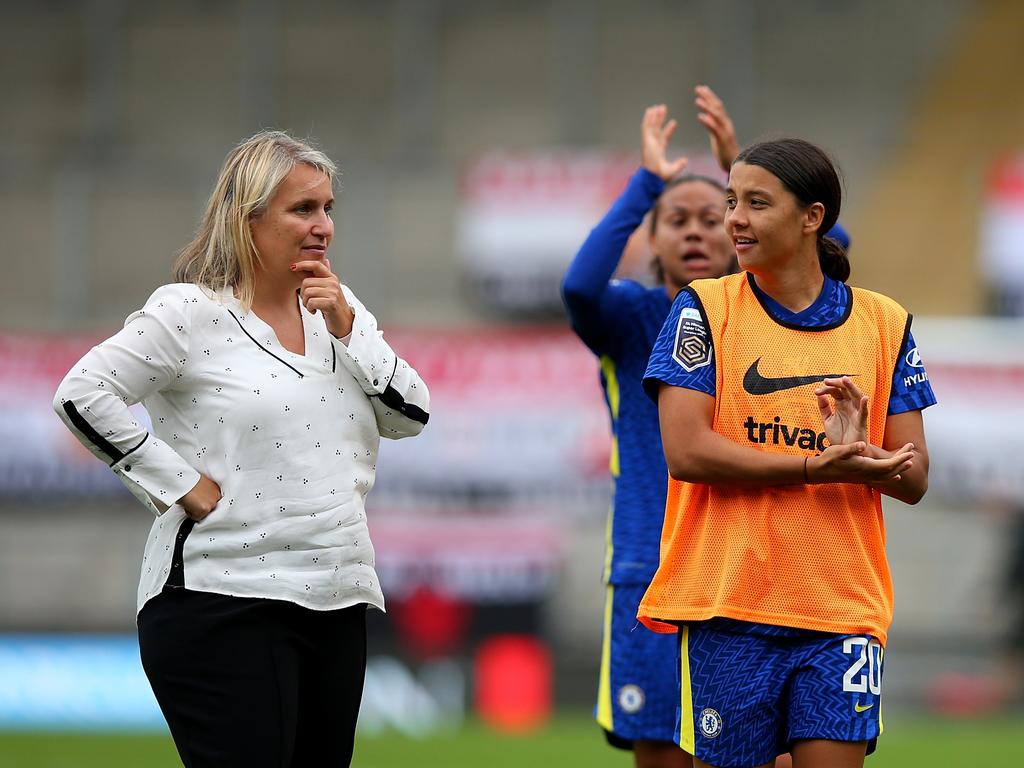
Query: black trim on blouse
(251, 338)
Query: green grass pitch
(570, 739)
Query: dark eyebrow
(755, 191)
(703, 210)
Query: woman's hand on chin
(322, 291)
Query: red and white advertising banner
(477, 506)
(975, 440)
(523, 215)
(516, 417)
(518, 425)
(1002, 233)
(38, 455)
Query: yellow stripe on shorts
(881, 725)
(611, 383)
(612, 388)
(604, 687)
(686, 739)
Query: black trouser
(252, 682)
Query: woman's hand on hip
(202, 499)
(322, 290)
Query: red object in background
(512, 675)
(966, 696)
(430, 624)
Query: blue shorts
(638, 693)
(748, 691)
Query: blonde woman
(269, 386)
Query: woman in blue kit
(619, 321)
(773, 567)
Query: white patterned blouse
(290, 439)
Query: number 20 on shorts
(867, 652)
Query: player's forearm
(913, 482)
(712, 459)
(598, 257)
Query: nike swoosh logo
(862, 707)
(756, 384)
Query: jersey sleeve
(590, 295)
(911, 389)
(683, 355)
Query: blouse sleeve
(399, 396)
(93, 400)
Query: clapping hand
(853, 463)
(712, 115)
(850, 457)
(844, 411)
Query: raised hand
(322, 290)
(844, 411)
(712, 115)
(654, 136)
(202, 499)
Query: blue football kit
(619, 321)
(757, 688)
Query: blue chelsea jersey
(619, 321)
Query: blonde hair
(222, 253)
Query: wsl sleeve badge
(692, 349)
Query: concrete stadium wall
(110, 141)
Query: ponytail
(832, 258)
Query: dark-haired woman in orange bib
(789, 402)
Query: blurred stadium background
(479, 141)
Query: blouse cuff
(366, 355)
(156, 475)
